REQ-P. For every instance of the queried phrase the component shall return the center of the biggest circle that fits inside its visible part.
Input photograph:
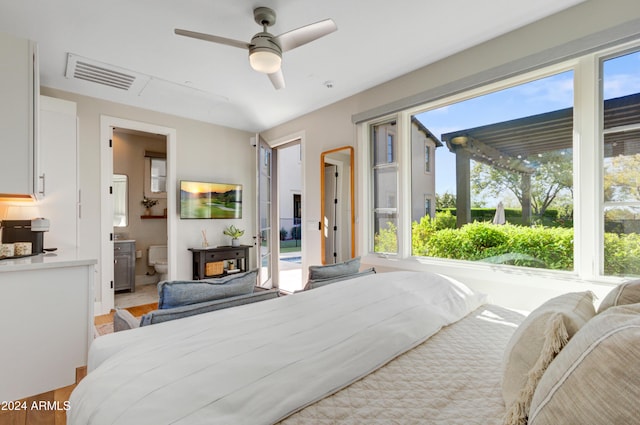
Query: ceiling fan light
(265, 61)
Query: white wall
(289, 183)
(573, 24)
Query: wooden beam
(481, 152)
(463, 189)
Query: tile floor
(144, 294)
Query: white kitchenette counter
(61, 258)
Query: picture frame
(210, 200)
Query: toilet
(158, 259)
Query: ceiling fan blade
(303, 35)
(212, 38)
(277, 79)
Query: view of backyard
(514, 147)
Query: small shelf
(202, 256)
(146, 217)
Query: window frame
(427, 157)
(600, 58)
(587, 167)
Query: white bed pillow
(595, 378)
(625, 293)
(534, 345)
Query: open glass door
(264, 158)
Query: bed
(400, 347)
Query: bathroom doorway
(104, 286)
(140, 216)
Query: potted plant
(234, 233)
(148, 203)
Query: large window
(503, 178)
(621, 164)
(512, 166)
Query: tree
(622, 178)
(446, 200)
(552, 177)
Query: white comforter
(258, 363)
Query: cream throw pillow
(625, 293)
(534, 345)
(595, 379)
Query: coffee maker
(25, 231)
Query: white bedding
(454, 378)
(258, 363)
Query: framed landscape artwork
(210, 200)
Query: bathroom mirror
(337, 199)
(120, 205)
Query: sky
(621, 77)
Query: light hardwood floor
(49, 408)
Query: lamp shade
(265, 61)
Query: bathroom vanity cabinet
(124, 265)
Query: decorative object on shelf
(234, 233)
(213, 269)
(205, 242)
(148, 203)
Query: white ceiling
(377, 40)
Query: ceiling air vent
(105, 74)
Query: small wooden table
(239, 255)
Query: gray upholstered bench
(178, 299)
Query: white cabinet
(46, 322)
(19, 86)
(59, 200)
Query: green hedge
(551, 217)
(536, 246)
(545, 247)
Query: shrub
(621, 253)
(426, 227)
(387, 239)
(504, 244)
(551, 246)
(283, 234)
(536, 246)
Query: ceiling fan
(265, 49)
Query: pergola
(506, 144)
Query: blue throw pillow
(316, 283)
(335, 270)
(176, 293)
